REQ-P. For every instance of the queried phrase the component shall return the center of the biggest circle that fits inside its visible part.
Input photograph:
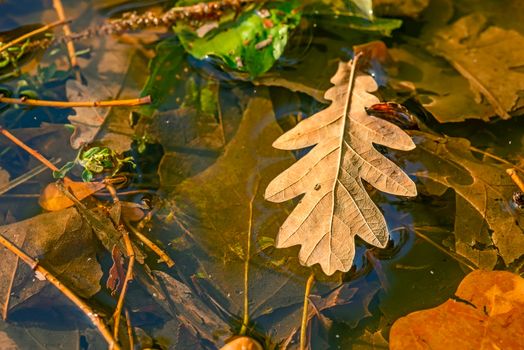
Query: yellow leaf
(52, 199)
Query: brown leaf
(324, 310)
(440, 89)
(52, 199)
(87, 121)
(399, 8)
(487, 313)
(6, 342)
(483, 192)
(489, 57)
(197, 317)
(4, 177)
(336, 207)
(62, 242)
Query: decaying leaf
(336, 207)
(63, 243)
(220, 198)
(370, 341)
(484, 192)
(87, 121)
(440, 89)
(4, 177)
(6, 342)
(402, 8)
(489, 57)
(486, 313)
(53, 199)
(196, 317)
(347, 299)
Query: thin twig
(303, 325)
(31, 34)
(445, 251)
(128, 278)
(93, 316)
(23, 178)
(57, 4)
(516, 178)
(70, 104)
(28, 149)
(245, 319)
(497, 158)
(129, 330)
(5, 310)
(163, 256)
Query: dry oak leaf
(336, 207)
(488, 313)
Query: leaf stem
(245, 319)
(93, 316)
(31, 34)
(70, 104)
(303, 326)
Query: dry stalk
(37, 31)
(28, 149)
(59, 8)
(163, 256)
(303, 325)
(128, 278)
(70, 104)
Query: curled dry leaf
(52, 199)
(336, 207)
(487, 313)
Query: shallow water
(206, 180)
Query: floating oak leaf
(336, 207)
(483, 194)
(487, 313)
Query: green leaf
(87, 175)
(251, 44)
(163, 71)
(61, 173)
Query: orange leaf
(488, 313)
(242, 343)
(52, 199)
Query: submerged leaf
(87, 121)
(336, 207)
(251, 44)
(439, 88)
(62, 242)
(489, 57)
(483, 191)
(486, 313)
